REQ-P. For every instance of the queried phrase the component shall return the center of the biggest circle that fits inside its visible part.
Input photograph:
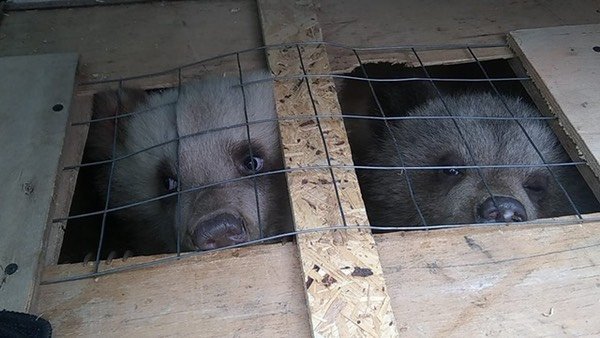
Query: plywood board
(31, 134)
(525, 280)
(342, 301)
(250, 292)
(564, 64)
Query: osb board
(72, 153)
(169, 34)
(31, 135)
(251, 292)
(498, 281)
(565, 67)
(341, 301)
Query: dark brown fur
(450, 197)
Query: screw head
(58, 107)
(11, 268)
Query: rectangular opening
(498, 79)
(193, 166)
(441, 146)
(494, 257)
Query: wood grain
(396, 23)
(341, 302)
(227, 294)
(170, 34)
(35, 99)
(497, 281)
(526, 280)
(66, 180)
(136, 39)
(564, 66)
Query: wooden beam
(563, 64)
(35, 100)
(344, 282)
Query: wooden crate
(537, 279)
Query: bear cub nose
(501, 209)
(219, 231)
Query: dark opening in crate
(194, 167)
(434, 147)
(458, 144)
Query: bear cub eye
(170, 184)
(166, 177)
(452, 172)
(451, 159)
(250, 158)
(253, 164)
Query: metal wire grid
(305, 77)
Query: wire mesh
(305, 79)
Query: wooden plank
(341, 302)
(35, 98)
(66, 180)
(169, 34)
(46, 4)
(567, 76)
(525, 281)
(226, 294)
(166, 35)
(538, 280)
(394, 23)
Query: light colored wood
(252, 292)
(565, 68)
(525, 281)
(341, 303)
(66, 180)
(531, 280)
(31, 134)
